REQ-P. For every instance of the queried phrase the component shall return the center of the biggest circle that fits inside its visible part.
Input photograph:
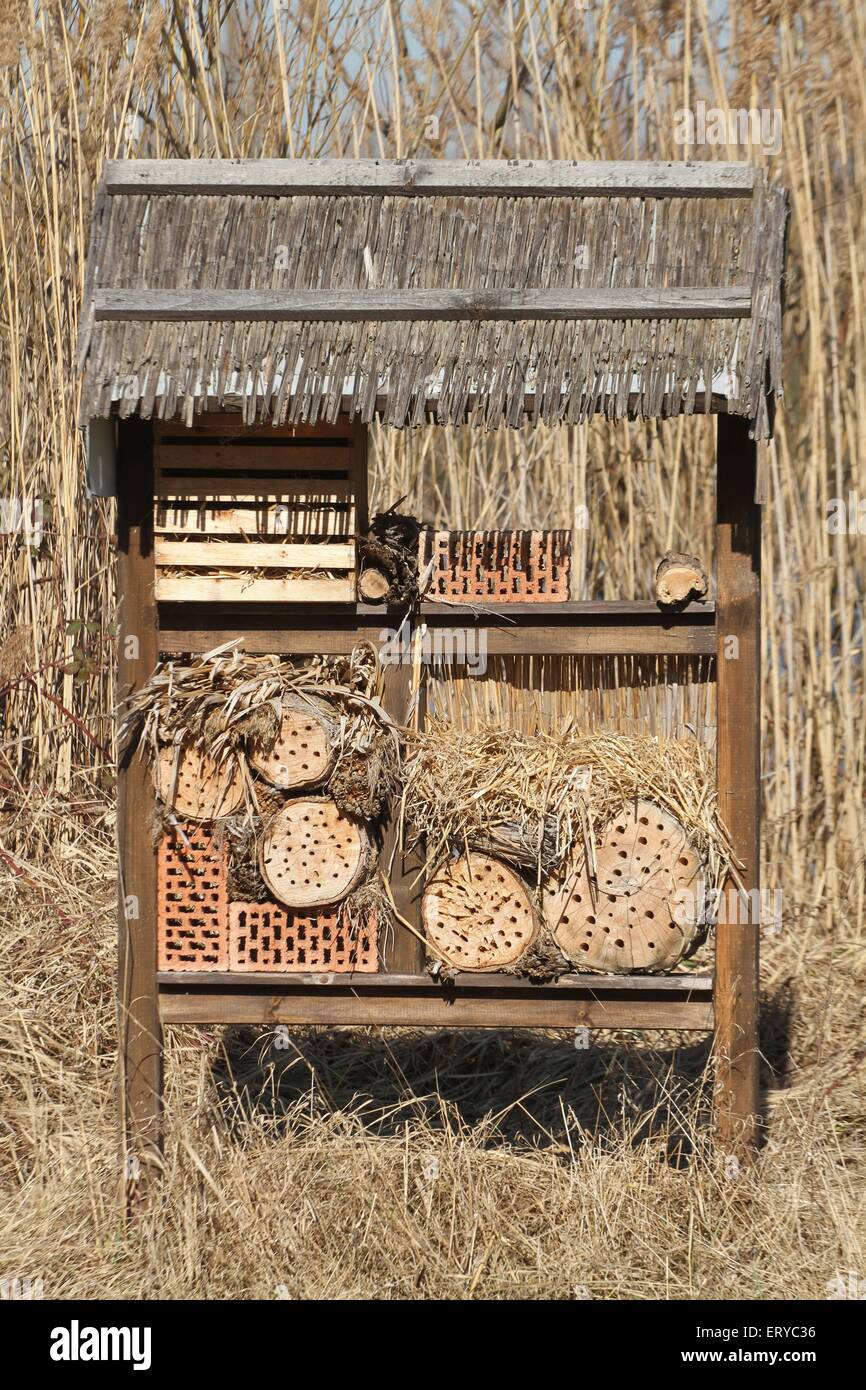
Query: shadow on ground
(512, 1086)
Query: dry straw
(514, 792)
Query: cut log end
(374, 585)
(202, 790)
(312, 855)
(304, 753)
(680, 578)
(642, 912)
(478, 914)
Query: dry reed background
(347, 1164)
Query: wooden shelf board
(629, 1002)
(685, 983)
(617, 629)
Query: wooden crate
(257, 516)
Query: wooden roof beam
(342, 306)
(434, 177)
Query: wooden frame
(392, 306)
(138, 1014)
(405, 994)
(440, 177)
(738, 759)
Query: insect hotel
(311, 831)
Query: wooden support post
(360, 476)
(138, 1006)
(405, 954)
(738, 609)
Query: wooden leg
(405, 954)
(738, 600)
(139, 1028)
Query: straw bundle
(493, 788)
(553, 791)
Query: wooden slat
(738, 762)
(253, 555)
(582, 610)
(529, 640)
(275, 519)
(519, 640)
(228, 421)
(251, 489)
(541, 628)
(591, 986)
(140, 1037)
(346, 306)
(334, 1007)
(217, 589)
(248, 456)
(440, 177)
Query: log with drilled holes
(192, 785)
(478, 914)
(312, 855)
(642, 912)
(305, 751)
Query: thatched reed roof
(298, 289)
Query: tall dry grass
(307, 1168)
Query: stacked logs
(308, 852)
(640, 911)
(635, 908)
(388, 556)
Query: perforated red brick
(192, 901)
(263, 936)
(500, 566)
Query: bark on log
(680, 578)
(519, 843)
(391, 546)
(312, 855)
(478, 914)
